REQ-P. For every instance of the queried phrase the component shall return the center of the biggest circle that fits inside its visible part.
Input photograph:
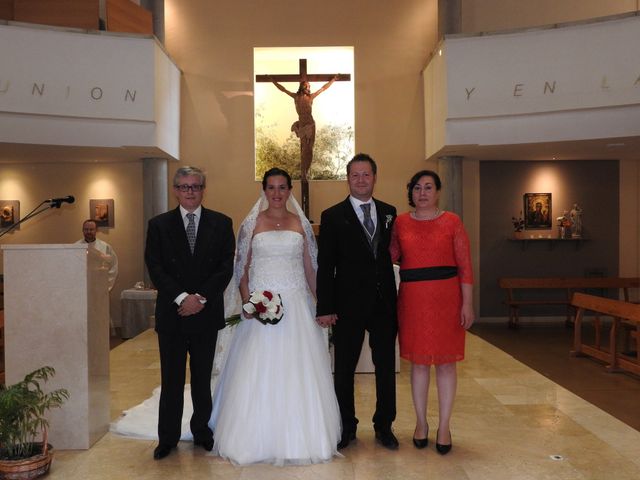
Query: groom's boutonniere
(387, 222)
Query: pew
(517, 288)
(622, 313)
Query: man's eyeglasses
(186, 188)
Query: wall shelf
(524, 242)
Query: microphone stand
(33, 213)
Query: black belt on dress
(428, 273)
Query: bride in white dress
(275, 401)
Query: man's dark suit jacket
(349, 275)
(174, 270)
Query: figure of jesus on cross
(305, 126)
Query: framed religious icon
(9, 214)
(537, 211)
(102, 212)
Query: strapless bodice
(277, 261)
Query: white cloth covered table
(137, 310)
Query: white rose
(257, 297)
(249, 308)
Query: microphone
(56, 202)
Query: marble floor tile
(509, 423)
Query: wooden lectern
(57, 313)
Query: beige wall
(490, 15)
(32, 183)
(212, 42)
(630, 220)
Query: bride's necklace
(427, 217)
(277, 222)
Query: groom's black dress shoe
(387, 438)
(347, 436)
(206, 444)
(162, 451)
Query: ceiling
(29, 153)
(621, 148)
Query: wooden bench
(622, 313)
(566, 285)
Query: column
(155, 196)
(450, 171)
(156, 7)
(449, 17)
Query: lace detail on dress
(277, 261)
(462, 253)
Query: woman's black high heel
(443, 449)
(421, 443)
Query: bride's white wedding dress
(274, 401)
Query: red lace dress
(429, 327)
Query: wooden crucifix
(305, 126)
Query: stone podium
(57, 314)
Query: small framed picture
(537, 211)
(9, 214)
(102, 212)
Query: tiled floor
(509, 423)
(545, 347)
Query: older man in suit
(189, 255)
(356, 292)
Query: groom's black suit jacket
(173, 269)
(349, 274)
(355, 281)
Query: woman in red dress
(434, 301)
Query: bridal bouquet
(264, 306)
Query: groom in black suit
(356, 291)
(189, 255)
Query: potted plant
(518, 226)
(22, 409)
